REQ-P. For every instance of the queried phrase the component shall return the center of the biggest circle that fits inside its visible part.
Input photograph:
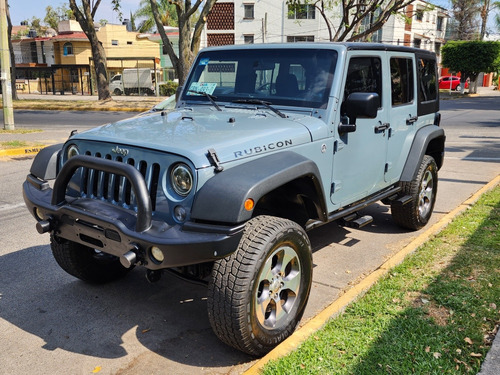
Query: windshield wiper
(262, 102)
(209, 96)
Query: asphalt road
(51, 323)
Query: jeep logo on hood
(120, 151)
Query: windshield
(292, 77)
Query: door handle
(411, 120)
(382, 127)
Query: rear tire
(458, 88)
(423, 189)
(86, 263)
(257, 295)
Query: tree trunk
(101, 70)
(86, 22)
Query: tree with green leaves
(85, 17)
(166, 11)
(352, 14)
(189, 39)
(55, 15)
(470, 58)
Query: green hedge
(168, 88)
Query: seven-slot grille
(115, 188)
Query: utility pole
(8, 113)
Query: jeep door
(402, 112)
(359, 156)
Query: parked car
(266, 142)
(453, 82)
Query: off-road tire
(423, 189)
(256, 296)
(85, 262)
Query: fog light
(157, 254)
(180, 213)
(39, 214)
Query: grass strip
(20, 131)
(435, 313)
(18, 144)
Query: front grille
(115, 188)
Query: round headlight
(73, 151)
(182, 179)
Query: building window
(34, 54)
(417, 42)
(248, 11)
(439, 24)
(129, 43)
(419, 15)
(301, 38)
(301, 12)
(437, 48)
(248, 39)
(114, 42)
(68, 49)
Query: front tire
(423, 189)
(258, 294)
(86, 263)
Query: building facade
(63, 62)
(421, 25)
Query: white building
(270, 21)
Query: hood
(232, 133)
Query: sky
(26, 9)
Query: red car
(447, 81)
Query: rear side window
(428, 98)
(364, 75)
(402, 82)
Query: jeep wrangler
(265, 143)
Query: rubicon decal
(258, 149)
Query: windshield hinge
(214, 160)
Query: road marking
(339, 305)
(9, 207)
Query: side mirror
(361, 104)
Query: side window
(427, 77)
(364, 75)
(402, 81)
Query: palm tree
(167, 12)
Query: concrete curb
(26, 151)
(339, 305)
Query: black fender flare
(46, 163)
(221, 199)
(428, 140)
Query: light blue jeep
(266, 142)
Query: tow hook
(129, 259)
(43, 226)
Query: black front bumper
(116, 230)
